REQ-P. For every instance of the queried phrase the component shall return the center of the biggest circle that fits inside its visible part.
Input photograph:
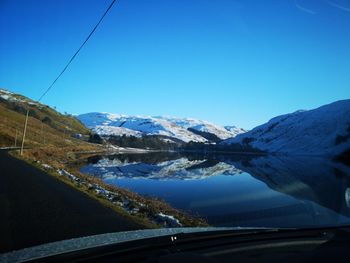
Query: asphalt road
(36, 208)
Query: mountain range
(321, 131)
(171, 129)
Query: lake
(236, 190)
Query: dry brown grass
(38, 133)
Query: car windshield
(129, 115)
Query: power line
(63, 70)
(76, 53)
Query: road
(36, 208)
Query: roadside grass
(38, 133)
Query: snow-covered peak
(3, 91)
(325, 130)
(7, 95)
(177, 128)
(203, 126)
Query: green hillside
(46, 126)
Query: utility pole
(16, 138)
(24, 131)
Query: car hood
(76, 244)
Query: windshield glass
(126, 115)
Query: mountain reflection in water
(234, 190)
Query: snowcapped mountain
(325, 130)
(184, 129)
(204, 126)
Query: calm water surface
(237, 190)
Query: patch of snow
(117, 131)
(68, 175)
(167, 140)
(5, 91)
(9, 96)
(235, 130)
(5, 96)
(46, 166)
(170, 221)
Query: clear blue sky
(229, 62)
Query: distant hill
(325, 130)
(170, 129)
(45, 125)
